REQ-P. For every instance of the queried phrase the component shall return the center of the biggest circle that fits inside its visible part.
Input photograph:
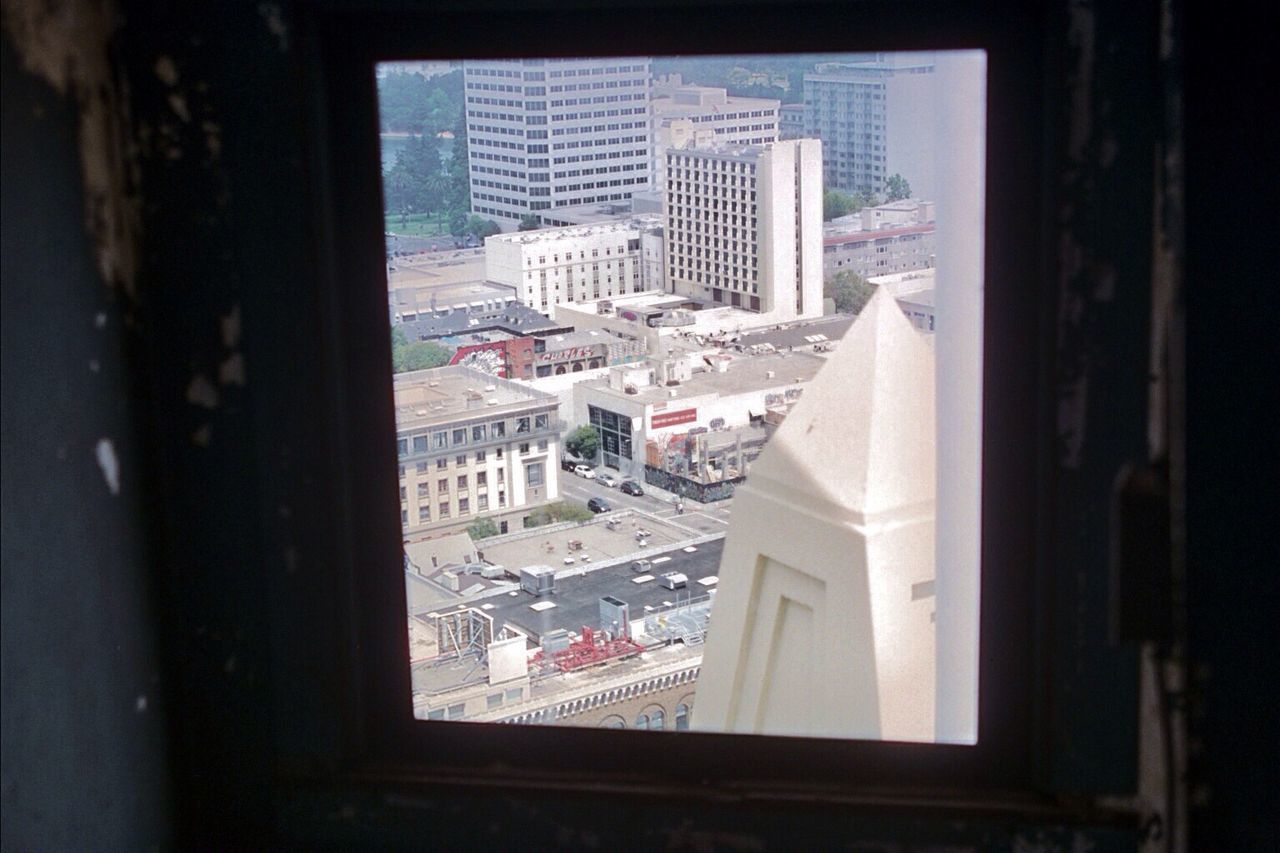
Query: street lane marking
(487, 606)
(656, 560)
(688, 549)
(642, 579)
(542, 605)
(709, 580)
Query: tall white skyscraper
(549, 132)
(744, 226)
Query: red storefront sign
(666, 419)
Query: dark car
(598, 505)
(631, 487)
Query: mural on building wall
(488, 357)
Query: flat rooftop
(449, 294)
(877, 234)
(436, 269)
(579, 339)
(515, 317)
(668, 107)
(633, 222)
(744, 374)
(441, 394)
(826, 329)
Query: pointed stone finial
(822, 624)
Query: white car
(585, 471)
(607, 480)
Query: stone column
(823, 621)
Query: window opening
(777, 424)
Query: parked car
(585, 471)
(641, 566)
(607, 480)
(631, 487)
(673, 580)
(568, 464)
(597, 505)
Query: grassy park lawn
(417, 224)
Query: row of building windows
(590, 185)
(603, 170)
(735, 116)
(600, 84)
(497, 158)
(708, 167)
(610, 69)
(502, 131)
(494, 87)
(474, 433)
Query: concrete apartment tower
(744, 226)
(823, 619)
(544, 133)
(705, 115)
(876, 118)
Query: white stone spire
(822, 624)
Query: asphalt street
(699, 519)
(577, 602)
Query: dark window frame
(1012, 741)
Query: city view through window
(687, 374)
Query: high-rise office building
(875, 119)
(744, 226)
(549, 132)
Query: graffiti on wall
(567, 354)
(690, 489)
(488, 357)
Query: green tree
(837, 203)
(849, 290)
(413, 184)
(480, 227)
(421, 355)
(416, 355)
(482, 528)
(529, 222)
(896, 188)
(412, 103)
(583, 442)
(457, 198)
(558, 511)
